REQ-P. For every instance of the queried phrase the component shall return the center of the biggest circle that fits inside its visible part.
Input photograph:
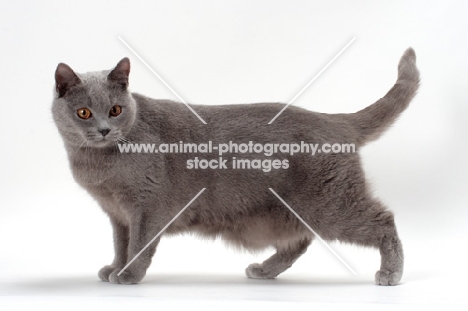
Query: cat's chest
(114, 172)
(93, 169)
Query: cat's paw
(125, 277)
(256, 271)
(386, 278)
(105, 272)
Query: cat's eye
(84, 113)
(115, 111)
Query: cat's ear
(65, 79)
(120, 73)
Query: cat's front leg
(121, 238)
(142, 230)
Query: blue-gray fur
(142, 192)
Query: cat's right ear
(119, 75)
(65, 79)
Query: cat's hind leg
(391, 268)
(374, 226)
(279, 262)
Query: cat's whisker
(124, 139)
(85, 141)
(87, 146)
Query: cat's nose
(104, 132)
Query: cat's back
(244, 122)
(293, 124)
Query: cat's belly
(251, 234)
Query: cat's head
(93, 109)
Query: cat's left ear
(120, 73)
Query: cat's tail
(372, 121)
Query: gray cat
(141, 193)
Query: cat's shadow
(91, 286)
(241, 280)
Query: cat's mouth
(102, 141)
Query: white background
(54, 237)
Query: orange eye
(84, 113)
(115, 111)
